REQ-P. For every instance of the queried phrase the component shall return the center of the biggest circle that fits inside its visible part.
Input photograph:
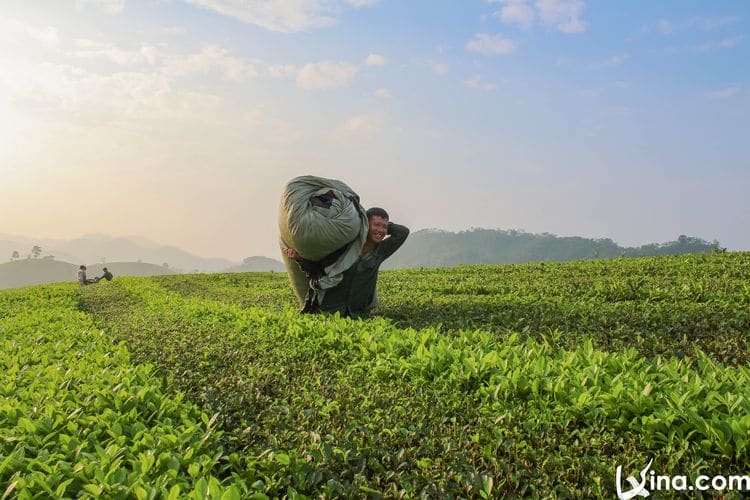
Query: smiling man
(355, 295)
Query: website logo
(636, 488)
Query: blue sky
(181, 120)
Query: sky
(181, 120)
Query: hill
(438, 248)
(27, 272)
(95, 247)
(257, 264)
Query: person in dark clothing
(107, 275)
(356, 295)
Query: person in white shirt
(82, 280)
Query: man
(82, 280)
(356, 295)
(107, 275)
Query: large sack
(317, 217)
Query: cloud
(665, 27)
(13, 29)
(211, 57)
(91, 49)
(516, 12)
(727, 43)
(362, 126)
(375, 60)
(106, 6)
(730, 91)
(362, 3)
(618, 110)
(563, 14)
(88, 97)
(486, 44)
(440, 68)
(276, 15)
(171, 30)
(282, 71)
(615, 60)
(476, 83)
(326, 75)
(668, 27)
(382, 93)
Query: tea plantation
(484, 381)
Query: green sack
(318, 216)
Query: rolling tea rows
(472, 381)
(77, 417)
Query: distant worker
(107, 275)
(82, 280)
(356, 295)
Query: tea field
(483, 381)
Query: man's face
(378, 228)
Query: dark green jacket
(356, 292)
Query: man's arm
(397, 237)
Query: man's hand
(291, 253)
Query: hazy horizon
(181, 121)
(148, 243)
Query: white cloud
(440, 68)
(476, 83)
(326, 75)
(171, 30)
(668, 27)
(727, 43)
(665, 27)
(618, 110)
(87, 97)
(382, 93)
(91, 49)
(730, 91)
(282, 71)
(491, 44)
(563, 14)
(375, 60)
(362, 3)
(211, 58)
(276, 15)
(590, 93)
(362, 126)
(516, 12)
(615, 60)
(107, 6)
(13, 29)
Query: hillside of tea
(535, 380)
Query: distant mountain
(437, 248)
(26, 272)
(98, 248)
(257, 264)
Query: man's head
(377, 220)
(82, 268)
(104, 269)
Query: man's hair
(104, 269)
(376, 212)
